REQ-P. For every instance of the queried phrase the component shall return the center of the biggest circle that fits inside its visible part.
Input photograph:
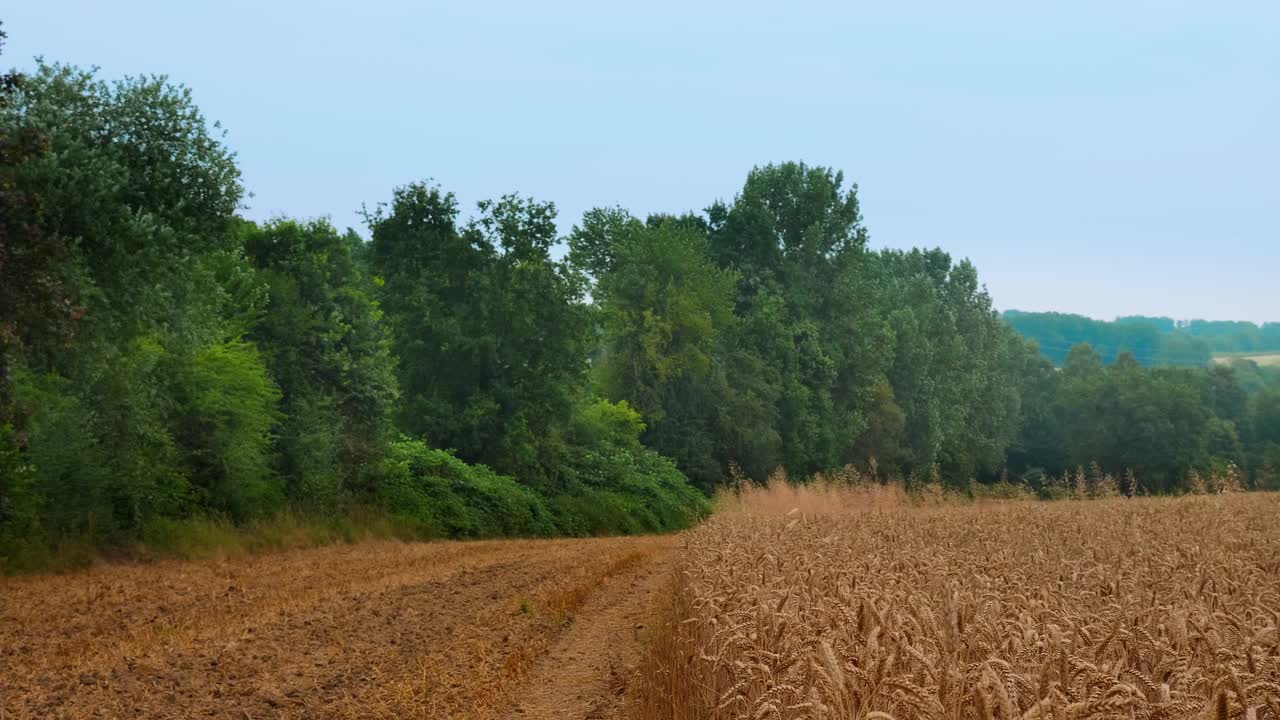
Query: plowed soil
(503, 629)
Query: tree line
(1151, 340)
(164, 359)
(764, 333)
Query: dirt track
(518, 629)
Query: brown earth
(499, 629)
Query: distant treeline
(1158, 422)
(165, 361)
(1151, 340)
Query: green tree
(1263, 435)
(37, 306)
(593, 242)
(664, 303)
(133, 230)
(328, 350)
(491, 332)
(806, 297)
(1039, 442)
(226, 407)
(957, 369)
(1127, 418)
(429, 275)
(536, 332)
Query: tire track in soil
(584, 676)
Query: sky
(1097, 157)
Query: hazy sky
(1096, 157)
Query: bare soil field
(503, 629)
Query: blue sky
(1104, 158)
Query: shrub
(437, 495)
(614, 489)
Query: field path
(495, 629)
(584, 675)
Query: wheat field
(1117, 608)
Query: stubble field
(531, 629)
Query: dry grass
(836, 493)
(1115, 608)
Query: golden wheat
(861, 608)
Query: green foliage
(1152, 341)
(766, 334)
(226, 408)
(611, 489)
(490, 331)
(663, 304)
(1038, 444)
(1254, 378)
(137, 197)
(1125, 417)
(308, 447)
(328, 350)
(143, 189)
(36, 304)
(437, 495)
(831, 354)
(807, 306)
(957, 371)
(53, 480)
(1235, 336)
(1263, 439)
(593, 243)
(604, 423)
(1157, 422)
(216, 371)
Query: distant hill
(1152, 340)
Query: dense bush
(624, 489)
(437, 495)
(434, 494)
